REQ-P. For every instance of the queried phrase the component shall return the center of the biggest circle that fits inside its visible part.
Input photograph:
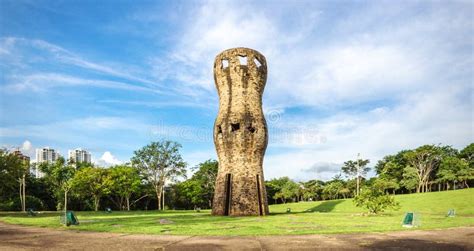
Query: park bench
(451, 213)
(31, 212)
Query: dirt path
(13, 237)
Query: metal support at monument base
(240, 133)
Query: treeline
(156, 178)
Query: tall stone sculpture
(240, 133)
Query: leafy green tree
(160, 162)
(59, 175)
(356, 168)
(124, 182)
(290, 191)
(410, 178)
(468, 154)
(395, 169)
(451, 170)
(205, 176)
(12, 173)
(92, 181)
(466, 174)
(274, 187)
(385, 184)
(313, 190)
(375, 200)
(345, 192)
(391, 168)
(425, 159)
(191, 190)
(41, 189)
(333, 189)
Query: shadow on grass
(323, 207)
(326, 206)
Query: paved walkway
(13, 237)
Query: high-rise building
(79, 156)
(24, 158)
(45, 154)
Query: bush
(15, 204)
(375, 200)
(8, 205)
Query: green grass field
(325, 217)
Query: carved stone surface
(240, 133)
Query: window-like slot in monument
(219, 129)
(260, 209)
(243, 60)
(225, 63)
(251, 129)
(234, 127)
(257, 62)
(228, 193)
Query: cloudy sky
(345, 77)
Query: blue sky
(345, 77)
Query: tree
(92, 181)
(313, 190)
(410, 178)
(375, 200)
(333, 190)
(424, 160)
(466, 174)
(391, 168)
(356, 169)
(274, 188)
(159, 162)
(12, 172)
(59, 176)
(385, 184)
(289, 191)
(124, 181)
(205, 176)
(453, 169)
(191, 191)
(468, 154)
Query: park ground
(336, 222)
(14, 237)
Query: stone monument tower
(240, 133)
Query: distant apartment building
(45, 154)
(26, 159)
(79, 156)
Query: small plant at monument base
(375, 200)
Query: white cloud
(107, 160)
(411, 71)
(439, 116)
(45, 81)
(351, 65)
(27, 56)
(69, 57)
(27, 148)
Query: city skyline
(343, 77)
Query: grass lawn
(322, 217)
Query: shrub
(15, 205)
(375, 200)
